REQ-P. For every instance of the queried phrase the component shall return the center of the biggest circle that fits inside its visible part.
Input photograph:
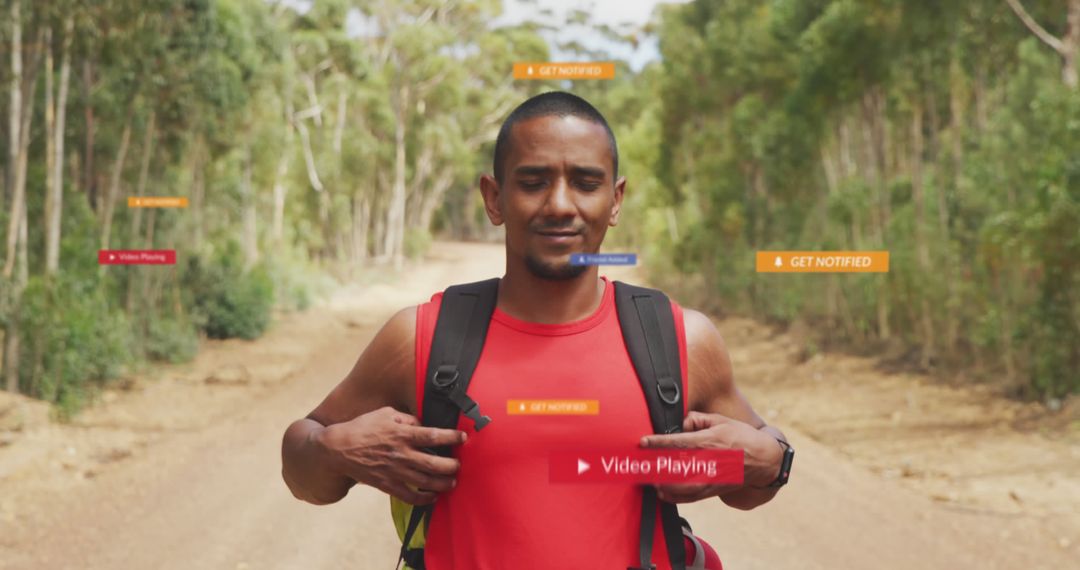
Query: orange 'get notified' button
(575, 70)
(552, 407)
(157, 202)
(823, 262)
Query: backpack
(648, 329)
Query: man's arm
(365, 431)
(721, 417)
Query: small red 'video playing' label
(137, 257)
(715, 466)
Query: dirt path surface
(182, 470)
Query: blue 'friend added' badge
(603, 259)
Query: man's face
(558, 195)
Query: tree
(1067, 46)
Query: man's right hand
(383, 449)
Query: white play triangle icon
(582, 466)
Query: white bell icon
(778, 263)
(530, 70)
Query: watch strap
(785, 465)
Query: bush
(72, 341)
(171, 340)
(227, 301)
(241, 308)
(416, 243)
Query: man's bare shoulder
(711, 379)
(383, 375)
(703, 339)
(709, 366)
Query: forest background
(334, 140)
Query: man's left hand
(762, 454)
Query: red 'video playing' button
(137, 257)
(716, 466)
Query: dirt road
(182, 470)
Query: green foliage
(789, 125)
(171, 340)
(417, 242)
(73, 341)
(226, 301)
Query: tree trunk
(379, 217)
(137, 283)
(1071, 46)
(89, 176)
(20, 133)
(361, 219)
(395, 214)
(18, 203)
(54, 199)
(873, 174)
(277, 232)
(832, 182)
(197, 181)
(1066, 47)
(921, 246)
(1008, 354)
(278, 224)
(143, 279)
(420, 188)
(339, 127)
(957, 113)
(50, 152)
(250, 235)
(114, 179)
(12, 334)
(144, 173)
(14, 122)
(434, 198)
(309, 156)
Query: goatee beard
(561, 272)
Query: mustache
(556, 227)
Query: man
(554, 335)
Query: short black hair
(558, 103)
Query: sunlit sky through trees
(622, 15)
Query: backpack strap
(460, 331)
(648, 328)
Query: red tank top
(504, 513)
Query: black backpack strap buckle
(668, 390)
(445, 380)
(445, 377)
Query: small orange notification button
(552, 407)
(157, 202)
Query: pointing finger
(692, 440)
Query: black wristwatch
(785, 465)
